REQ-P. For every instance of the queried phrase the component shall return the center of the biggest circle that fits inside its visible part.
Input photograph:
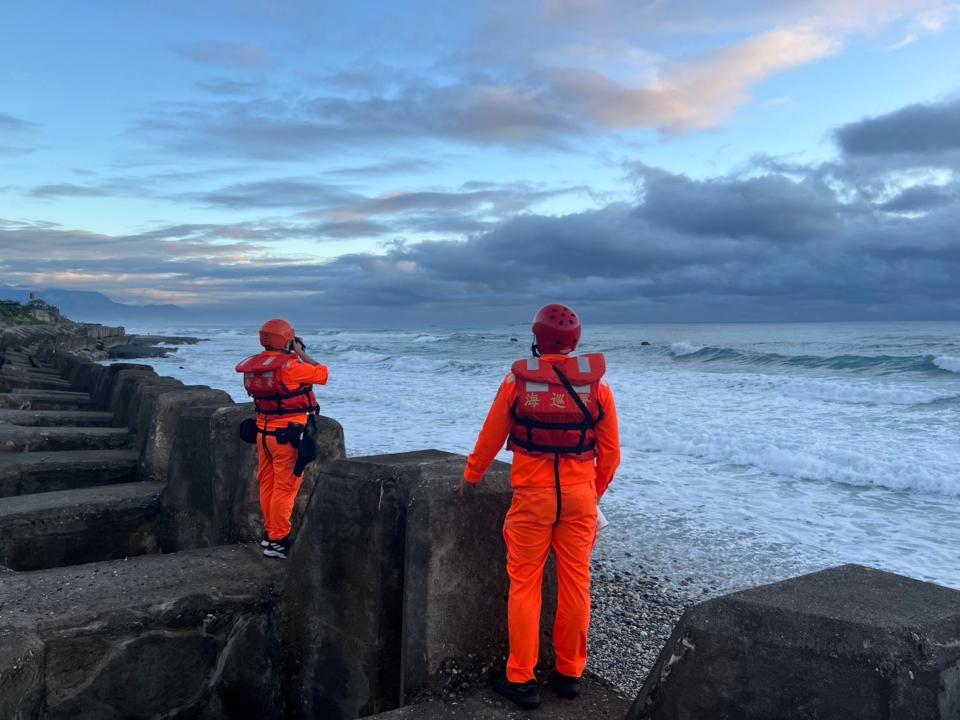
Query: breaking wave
(948, 363)
(823, 463)
(880, 364)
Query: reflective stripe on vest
(548, 420)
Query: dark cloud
(8, 123)
(499, 199)
(65, 190)
(926, 130)
(624, 258)
(344, 214)
(247, 56)
(9, 150)
(770, 206)
(229, 87)
(387, 167)
(279, 193)
(16, 130)
(920, 198)
(268, 128)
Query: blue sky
(208, 153)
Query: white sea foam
(851, 391)
(679, 349)
(365, 357)
(815, 462)
(948, 362)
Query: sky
(425, 161)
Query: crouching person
(280, 380)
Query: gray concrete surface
(183, 635)
(53, 529)
(37, 472)
(849, 643)
(50, 418)
(16, 439)
(46, 400)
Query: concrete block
(157, 636)
(124, 385)
(10, 381)
(15, 439)
(378, 536)
(67, 527)
(849, 643)
(45, 400)
(55, 418)
(142, 408)
(41, 472)
(104, 381)
(199, 494)
(21, 675)
(161, 432)
(454, 551)
(86, 376)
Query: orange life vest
(261, 379)
(557, 406)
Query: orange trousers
(278, 485)
(530, 530)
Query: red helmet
(276, 334)
(557, 329)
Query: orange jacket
(298, 374)
(529, 471)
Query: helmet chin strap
(535, 349)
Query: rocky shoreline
(633, 614)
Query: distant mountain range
(87, 306)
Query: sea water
(750, 452)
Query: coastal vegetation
(35, 312)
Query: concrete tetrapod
(848, 643)
(393, 576)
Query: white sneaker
(276, 550)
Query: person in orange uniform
(280, 380)
(557, 414)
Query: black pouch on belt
(306, 454)
(248, 431)
(293, 433)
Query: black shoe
(565, 686)
(278, 550)
(265, 540)
(526, 695)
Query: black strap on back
(576, 398)
(589, 422)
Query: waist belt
(249, 430)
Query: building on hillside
(42, 311)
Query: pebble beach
(634, 611)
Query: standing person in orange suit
(558, 416)
(280, 380)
